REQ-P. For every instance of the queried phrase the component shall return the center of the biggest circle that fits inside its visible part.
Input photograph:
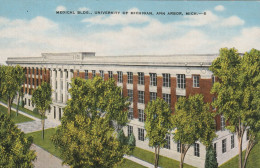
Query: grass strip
(164, 162)
(17, 119)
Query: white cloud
(83, 9)
(232, 21)
(118, 19)
(247, 39)
(219, 8)
(61, 8)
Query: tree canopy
(11, 81)
(41, 98)
(87, 135)
(14, 146)
(194, 122)
(237, 91)
(157, 125)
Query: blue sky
(29, 28)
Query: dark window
(130, 94)
(224, 145)
(54, 112)
(110, 74)
(166, 80)
(168, 142)
(119, 76)
(130, 113)
(179, 146)
(196, 81)
(86, 74)
(141, 115)
(153, 79)
(140, 78)
(140, 96)
(232, 142)
(167, 98)
(181, 81)
(215, 147)
(153, 96)
(129, 130)
(93, 73)
(197, 149)
(101, 73)
(59, 113)
(130, 77)
(140, 134)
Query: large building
(142, 78)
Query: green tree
(238, 93)
(41, 98)
(131, 143)
(211, 158)
(157, 125)
(87, 135)
(14, 146)
(193, 122)
(12, 79)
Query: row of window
(153, 96)
(167, 145)
(32, 70)
(181, 81)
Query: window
(101, 73)
(232, 142)
(153, 79)
(140, 134)
(86, 74)
(37, 83)
(166, 80)
(29, 70)
(33, 70)
(224, 145)
(167, 98)
(129, 130)
(223, 124)
(119, 76)
(61, 74)
(130, 113)
(59, 113)
(140, 96)
(29, 102)
(153, 96)
(213, 107)
(130, 94)
(37, 71)
(54, 112)
(213, 79)
(33, 81)
(179, 146)
(25, 100)
(141, 115)
(110, 74)
(197, 149)
(140, 78)
(196, 81)
(61, 85)
(93, 73)
(67, 74)
(215, 148)
(130, 77)
(168, 142)
(56, 85)
(181, 82)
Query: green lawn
(49, 146)
(46, 143)
(17, 119)
(164, 162)
(37, 115)
(252, 162)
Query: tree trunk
(18, 101)
(183, 153)
(155, 157)
(43, 120)
(158, 156)
(250, 146)
(240, 129)
(9, 106)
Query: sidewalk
(139, 161)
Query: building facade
(142, 79)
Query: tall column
(64, 86)
(69, 80)
(53, 81)
(58, 85)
